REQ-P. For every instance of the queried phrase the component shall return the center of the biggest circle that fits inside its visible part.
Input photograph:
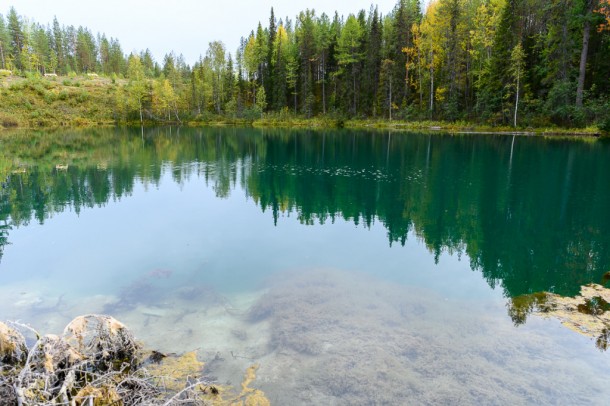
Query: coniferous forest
(500, 62)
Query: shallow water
(353, 267)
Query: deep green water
(150, 227)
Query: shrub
(17, 86)
(8, 121)
(560, 106)
(82, 97)
(604, 126)
(50, 97)
(251, 114)
(38, 88)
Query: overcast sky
(185, 26)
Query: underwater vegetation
(343, 338)
(316, 336)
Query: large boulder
(13, 350)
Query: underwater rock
(241, 335)
(102, 340)
(51, 354)
(98, 362)
(13, 355)
(48, 373)
(13, 350)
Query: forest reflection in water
(531, 215)
(528, 214)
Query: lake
(353, 267)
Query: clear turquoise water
(353, 267)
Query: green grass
(44, 103)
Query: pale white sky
(185, 26)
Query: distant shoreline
(314, 124)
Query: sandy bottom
(338, 338)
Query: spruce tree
(16, 37)
(270, 75)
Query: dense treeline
(505, 62)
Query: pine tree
(349, 54)
(269, 85)
(372, 63)
(324, 43)
(508, 35)
(281, 54)
(58, 46)
(229, 81)
(589, 7)
(517, 68)
(261, 100)
(216, 56)
(4, 45)
(306, 44)
(137, 87)
(16, 37)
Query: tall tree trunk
(354, 81)
(407, 77)
(141, 120)
(176, 112)
(586, 33)
(431, 81)
(323, 84)
(421, 91)
(431, 89)
(390, 100)
(517, 99)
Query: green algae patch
(250, 396)
(182, 375)
(174, 372)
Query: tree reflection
(587, 313)
(530, 214)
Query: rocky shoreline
(97, 361)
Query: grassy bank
(452, 127)
(56, 102)
(90, 101)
